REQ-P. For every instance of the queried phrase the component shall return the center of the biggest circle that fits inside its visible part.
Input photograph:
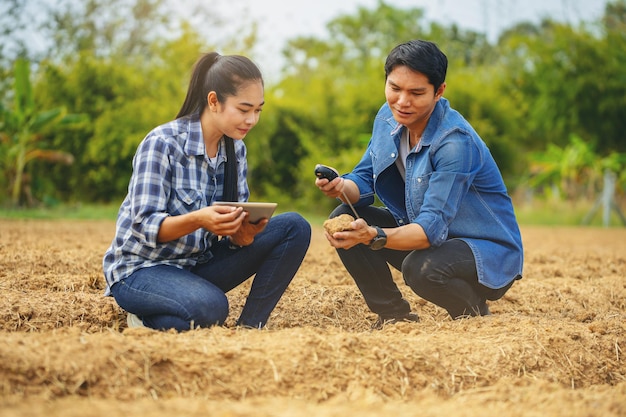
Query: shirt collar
(432, 125)
(194, 144)
(396, 129)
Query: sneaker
(382, 322)
(134, 321)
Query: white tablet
(257, 211)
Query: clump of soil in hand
(338, 224)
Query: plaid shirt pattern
(171, 176)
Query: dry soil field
(555, 345)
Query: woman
(175, 255)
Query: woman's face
(411, 97)
(239, 113)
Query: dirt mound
(554, 344)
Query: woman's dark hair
(420, 56)
(222, 74)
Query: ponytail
(222, 74)
(193, 99)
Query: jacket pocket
(417, 190)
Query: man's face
(411, 97)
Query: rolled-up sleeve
(362, 176)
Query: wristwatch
(379, 241)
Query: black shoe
(382, 321)
(483, 309)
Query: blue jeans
(444, 275)
(167, 297)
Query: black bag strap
(230, 171)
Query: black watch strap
(379, 241)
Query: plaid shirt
(171, 176)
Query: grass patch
(564, 213)
(95, 212)
(63, 211)
(540, 213)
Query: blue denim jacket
(453, 189)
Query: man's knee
(418, 270)
(341, 209)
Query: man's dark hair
(420, 56)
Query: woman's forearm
(174, 227)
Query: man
(448, 223)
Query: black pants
(445, 275)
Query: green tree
(22, 129)
(323, 108)
(566, 169)
(476, 93)
(570, 80)
(125, 63)
(321, 111)
(125, 99)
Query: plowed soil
(555, 344)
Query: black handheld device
(322, 171)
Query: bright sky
(279, 20)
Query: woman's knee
(295, 227)
(301, 227)
(208, 309)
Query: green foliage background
(541, 92)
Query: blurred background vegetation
(549, 99)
